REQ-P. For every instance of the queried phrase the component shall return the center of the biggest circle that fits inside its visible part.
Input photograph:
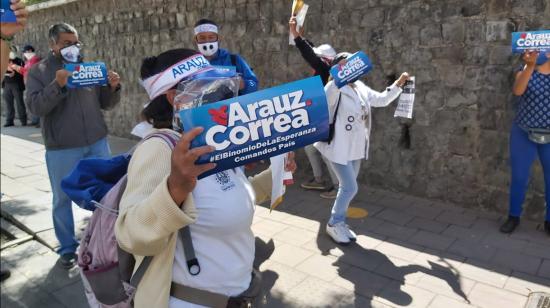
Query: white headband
(206, 28)
(158, 84)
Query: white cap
(325, 51)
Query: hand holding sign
(114, 79)
(530, 57)
(184, 173)
(62, 77)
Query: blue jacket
(223, 57)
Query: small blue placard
(87, 74)
(357, 66)
(228, 68)
(260, 125)
(6, 13)
(530, 40)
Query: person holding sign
(164, 195)
(73, 125)
(320, 60)
(208, 39)
(530, 134)
(350, 112)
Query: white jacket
(353, 121)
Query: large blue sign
(88, 74)
(6, 13)
(259, 125)
(357, 66)
(531, 40)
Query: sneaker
(313, 185)
(547, 227)
(67, 260)
(331, 194)
(351, 235)
(510, 225)
(338, 232)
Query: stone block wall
(456, 147)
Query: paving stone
(486, 296)
(524, 284)
(295, 236)
(395, 231)
(278, 216)
(20, 292)
(537, 250)
(392, 202)
(304, 223)
(269, 228)
(323, 267)
(314, 292)
(369, 242)
(473, 250)
(484, 272)
(72, 295)
(398, 249)
(464, 220)
(324, 245)
(544, 270)
(449, 284)
(395, 294)
(279, 277)
(438, 260)
(517, 261)
(432, 240)
(367, 259)
(442, 301)
(290, 255)
(401, 270)
(395, 216)
(504, 242)
(427, 225)
(361, 282)
(371, 223)
(464, 233)
(424, 210)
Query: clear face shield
(208, 87)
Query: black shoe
(8, 125)
(67, 260)
(4, 274)
(510, 225)
(547, 227)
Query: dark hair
(159, 112)
(57, 29)
(28, 48)
(205, 21)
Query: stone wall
(455, 148)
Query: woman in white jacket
(350, 144)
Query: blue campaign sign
(260, 125)
(531, 40)
(356, 67)
(228, 68)
(87, 74)
(6, 13)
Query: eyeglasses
(69, 44)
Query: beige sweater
(149, 219)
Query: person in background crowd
(208, 39)
(31, 58)
(73, 125)
(350, 144)
(13, 87)
(530, 134)
(320, 59)
(163, 195)
(7, 32)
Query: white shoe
(338, 232)
(351, 235)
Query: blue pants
(347, 176)
(522, 155)
(60, 163)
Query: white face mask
(208, 49)
(71, 53)
(28, 55)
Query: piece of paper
(280, 178)
(406, 100)
(300, 20)
(260, 125)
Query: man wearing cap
(319, 58)
(31, 58)
(207, 39)
(73, 127)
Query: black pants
(13, 95)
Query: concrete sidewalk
(410, 252)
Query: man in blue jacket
(207, 39)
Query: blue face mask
(542, 58)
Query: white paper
(280, 178)
(300, 19)
(406, 100)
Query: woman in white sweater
(350, 144)
(163, 195)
